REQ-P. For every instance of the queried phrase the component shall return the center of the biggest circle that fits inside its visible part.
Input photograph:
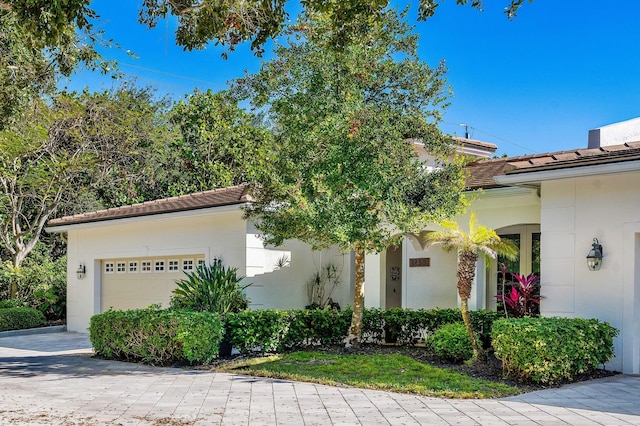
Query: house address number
(420, 261)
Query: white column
(373, 289)
(478, 290)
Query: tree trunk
(355, 331)
(478, 353)
(466, 273)
(18, 257)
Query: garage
(133, 283)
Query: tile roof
(477, 143)
(483, 172)
(201, 200)
(576, 158)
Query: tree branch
(181, 9)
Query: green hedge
(20, 318)
(410, 326)
(276, 331)
(158, 337)
(548, 350)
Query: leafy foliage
(158, 337)
(41, 282)
(212, 288)
(10, 303)
(220, 144)
(39, 41)
(230, 22)
(479, 239)
(20, 318)
(321, 286)
(548, 350)
(277, 331)
(451, 342)
(411, 326)
(523, 297)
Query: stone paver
(53, 379)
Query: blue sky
(535, 84)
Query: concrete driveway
(53, 379)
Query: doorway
(394, 277)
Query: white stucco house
(553, 205)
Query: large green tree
(344, 170)
(230, 22)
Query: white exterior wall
(286, 288)
(503, 207)
(615, 134)
(427, 287)
(574, 211)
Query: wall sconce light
(594, 258)
(80, 272)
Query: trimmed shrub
(259, 330)
(408, 326)
(548, 350)
(313, 327)
(451, 342)
(212, 288)
(20, 318)
(10, 303)
(155, 336)
(276, 331)
(271, 330)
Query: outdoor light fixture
(594, 258)
(80, 272)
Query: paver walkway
(52, 379)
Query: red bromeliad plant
(523, 297)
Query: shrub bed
(155, 336)
(276, 331)
(548, 350)
(41, 282)
(409, 326)
(20, 318)
(451, 343)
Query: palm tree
(480, 242)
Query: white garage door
(134, 283)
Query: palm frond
(480, 240)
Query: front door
(394, 277)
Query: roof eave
(535, 177)
(64, 227)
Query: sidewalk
(53, 379)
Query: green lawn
(392, 372)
